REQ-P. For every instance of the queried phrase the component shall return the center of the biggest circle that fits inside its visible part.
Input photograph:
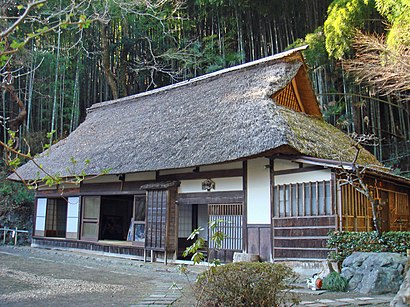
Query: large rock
(245, 257)
(375, 273)
(402, 297)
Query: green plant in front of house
(238, 284)
(335, 282)
(246, 284)
(196, 249)
(345, 243)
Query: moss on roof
(314, 137)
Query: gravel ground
(40, 277)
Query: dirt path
(62, 278)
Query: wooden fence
(13, 232)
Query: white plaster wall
(258, 195)
(41, 214)
(280, 165)
(319, 175)
(140, 176)
(73, 214)
(221, 184)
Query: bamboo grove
(109, 49)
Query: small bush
(346, 243)
(246, 284)
(335, 282)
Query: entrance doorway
(107, 217)
(116, 214)
(191, 217)
(56, 218)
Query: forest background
(59, 57)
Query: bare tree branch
(22, 17)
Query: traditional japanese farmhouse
(247, 145)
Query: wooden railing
(14, 234)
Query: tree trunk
(54, 112)
(106, 63)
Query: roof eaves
(370, 169)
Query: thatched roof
(224, 116)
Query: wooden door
(157, 212)
(90, 221)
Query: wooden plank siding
(259, 240)
(302, 237)
(303, 215)
(399, 211)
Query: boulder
(375, 273)
(245, 257)
(402, 297)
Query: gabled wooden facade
(246, 146)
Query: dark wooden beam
(202, 175)
(204, 198)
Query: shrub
(246, 284)
(335, 282)
(346, 243)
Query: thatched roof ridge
(225, 117)
(287, 55)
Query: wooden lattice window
(356, 210)
(289, 97)
(303, 199)
(230, 216)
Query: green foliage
(196, 248)
(316, 55)
(14, 196)
(344, 18)
(397, 13)
(347, 243)
(335, 282)
(246, 284)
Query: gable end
(298, 95)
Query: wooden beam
(202, 175)
(296, 91)
(205, 198)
